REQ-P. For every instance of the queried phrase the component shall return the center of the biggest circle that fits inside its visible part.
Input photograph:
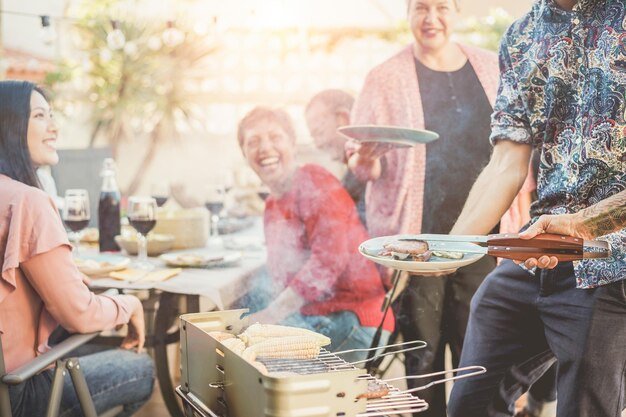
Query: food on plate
(448, 255)
(91, 264)
(100, 265)
(407, 249)
(90, 235)
(190, 259)
(374, 390)
(288, 347)
(258, 333)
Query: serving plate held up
(395, 135)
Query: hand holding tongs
(510, 246)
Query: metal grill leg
(385, 308)
(81, 388)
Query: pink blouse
(40, 286)
(391, 96)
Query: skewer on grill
(375, 389)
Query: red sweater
(313, 233)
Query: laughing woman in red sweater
(317, 278)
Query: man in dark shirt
(327, 111)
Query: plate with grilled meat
(405, 253)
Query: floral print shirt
(563, 91)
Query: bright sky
(23, 32)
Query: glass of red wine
(160, 191)
(215, 198)
(76, 213)
(142, 216)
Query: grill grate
(325, 362)
(394, 403)
(222, 383)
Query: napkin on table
(135, 275)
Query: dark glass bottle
(109, 208)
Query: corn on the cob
(258, 365)
(221, 336)
(258, 333)
(235, 344)
(289, 347)
(248, 355)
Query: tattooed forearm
(607, 216)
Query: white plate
(100, 264)
(201, 260)
(401, 136)
(371, 248)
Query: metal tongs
(510, 246)
(384, 350)
(470, 371)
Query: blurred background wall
(169, 106)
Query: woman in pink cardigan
(40, 286)
(443, 86)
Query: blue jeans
(115, 377)
(436, 310)
(344, 330)
(516, 317)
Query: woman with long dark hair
(40, 287)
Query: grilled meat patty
(410, 246)
(407, 249)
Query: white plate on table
(100, 264)
(371, 248)
(395, 135)
(200, 259)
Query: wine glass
(142, 216)
(160, 191)
(215, 196)
(76, 213)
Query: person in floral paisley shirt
(562, 92)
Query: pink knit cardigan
(391, 96)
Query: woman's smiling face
(42, 132)
(432, 22)
(270, 152)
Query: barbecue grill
(216, 381)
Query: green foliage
(146, 85)
(487, 31)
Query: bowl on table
(190, 227)
(157, 243)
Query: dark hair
(265, 113)
(15, 161)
